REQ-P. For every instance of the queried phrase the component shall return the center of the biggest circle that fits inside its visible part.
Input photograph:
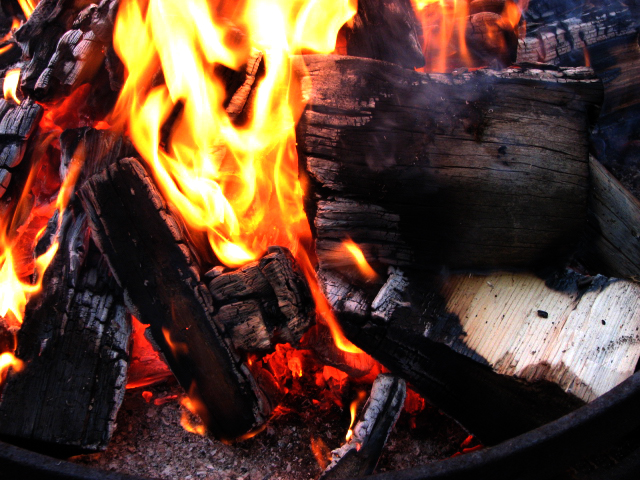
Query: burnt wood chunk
(386, 30)
(151, 259)
(359, 456)
(484, 169)
(264, 303)
(74, 343)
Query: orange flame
(354, 410)
(186, 421)
(10, 85)
(28, 6)
(237, 183)
(7, 361)
(356, 252)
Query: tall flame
(10, 85)
(237, 183)
(28, 6)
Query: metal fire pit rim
(548, 448)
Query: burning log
(389, 152)
(150, 255)
(17, 123)
(359, 456)
(74, 341)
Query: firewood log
(75, 336)
(481, 170)
(150, 256)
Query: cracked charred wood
(359, 456)
(479, 170)
(150, 257)
(39, 37)
(614, 224)
(263, 303)
(492, 406)
(17, 124)
(74, 343)
(386, 30)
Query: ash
(149, 441)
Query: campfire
(274, 201)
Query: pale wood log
(433, 169)
(613, 238)
(492, 406)
(584, 338)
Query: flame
(354, 410)
(7, 361)
(177, 348)
(237, 183)
(28, 6)
(356, 252)
(10, 85)
(186, 421)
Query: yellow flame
(354, 410)
(28, 6)
(7, 361)
(186, 422)
(10, 85)
(356, 252)
(237, 183)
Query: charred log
(150, 257)
(75, 345)
(433, 169)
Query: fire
(356, 252)
(354, 410)
(10, 85)
(186, 419)
(28, 6)
(237, 183)
(7, 361)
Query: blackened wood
(17, 124)
(359, 456)
(386, 30)
(613, 245)
(494, 407)
(477, 170)
(491, 39)
(151, 259)
(80, 52)
(264, 303)
(39, 37)
(74, 343)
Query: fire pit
(446, 198)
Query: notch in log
(151, 258)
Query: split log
(493, 407)
(612, 245)
(386, 30)
(75, 345)
(479, 170)
(151, 259)
(359, 456)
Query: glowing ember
(237, 183)
(188, 420)
(10, 85)
(354, 250)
